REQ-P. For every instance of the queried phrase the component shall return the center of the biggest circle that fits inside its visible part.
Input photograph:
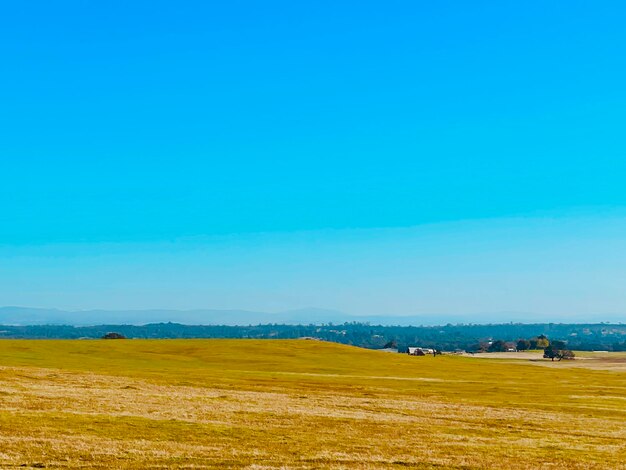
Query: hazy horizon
(29, 316)
(557, 268)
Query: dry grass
(298, 404)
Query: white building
(416, 351)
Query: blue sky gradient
(159, 130)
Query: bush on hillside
(114, 336)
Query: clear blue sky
(135, 127)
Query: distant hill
(40, 316)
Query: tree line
(586, 337)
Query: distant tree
(393, 344)
(497, 346)
(554, 352)
(542, 342)
(114, 336)
(550, 353)
(523, 345)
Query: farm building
(416, 351)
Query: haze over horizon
(448, 160)
(25, 316)
(507, 270)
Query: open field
(300, 404)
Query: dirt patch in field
(510, 355)
(615, 364)
(588, 360)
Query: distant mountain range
(41, 316)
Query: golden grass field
(302, 404)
